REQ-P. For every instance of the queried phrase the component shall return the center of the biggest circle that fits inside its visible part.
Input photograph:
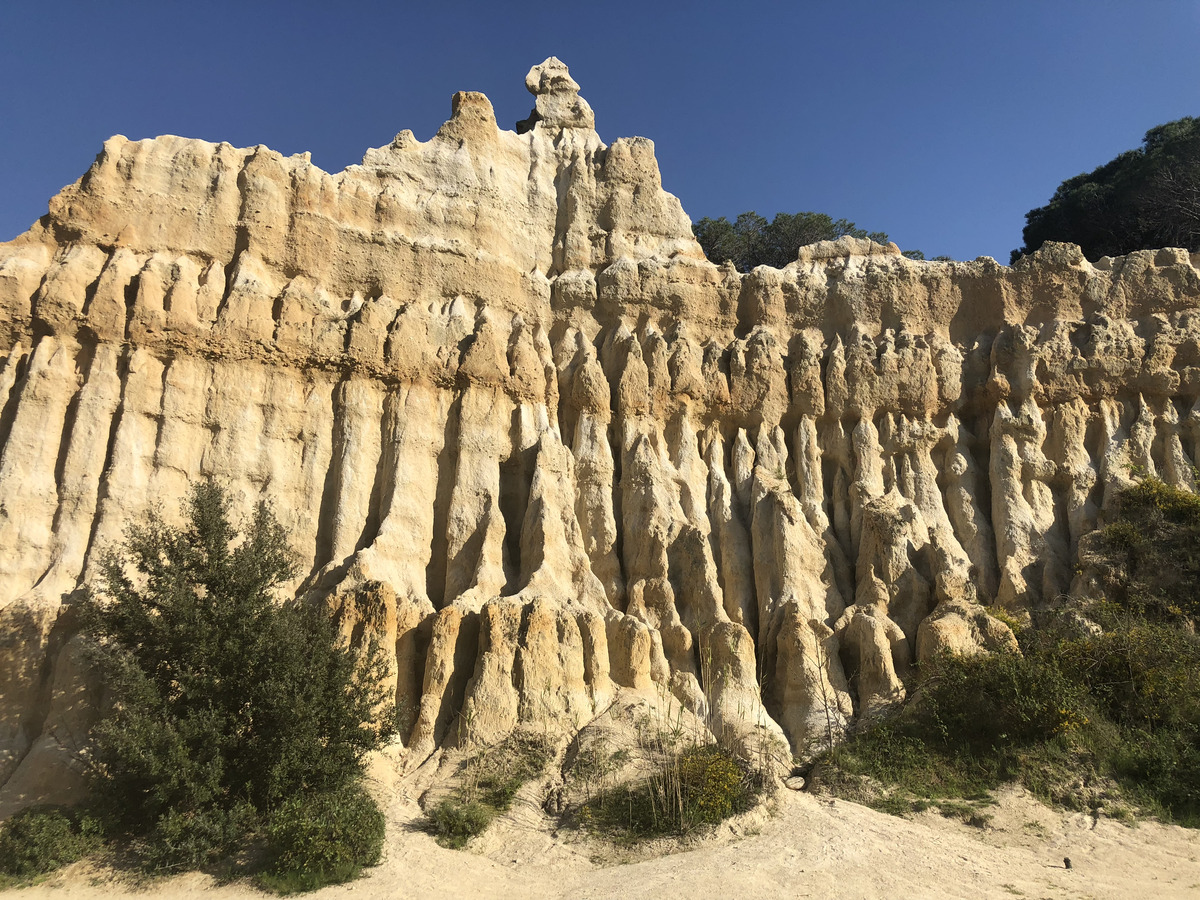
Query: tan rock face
(518, 427)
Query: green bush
(713, 785)
(43, 838)
(195, 838)
(455, 820)
(987, 702)
(1150, 554)
(227, 703)
(1141, 675)
(1079, 715)
(1100, 717)
(322, 839)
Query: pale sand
(806, 847)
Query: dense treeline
(751, 240)
(1145, 198)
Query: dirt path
(807, 847)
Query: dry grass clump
(490, 780)
(671, 783)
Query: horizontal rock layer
(520, 429)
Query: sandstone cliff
(520, 428)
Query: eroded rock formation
(521, 430)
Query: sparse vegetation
(687, 788)
(489, 781)
(676, 780)
(1100, 710)
(671, 784)
(594, 764)
(233, 713)
(40, 839)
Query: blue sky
(940, 123)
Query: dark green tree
(1144, 199)
(225, 702)
(753, 241)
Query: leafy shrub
(1150, 554)
(322, 839)
(227, 703)
(195, 838)
(1142, 675)
(981, 703)
(41, 839)
(455, 820)
(713, 786)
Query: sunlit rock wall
(521, 430)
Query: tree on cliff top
(1143, 199)
(753, 241)
(229, 706)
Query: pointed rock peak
(471, 118)
(551, 76)
(474, 107)
(557, 103)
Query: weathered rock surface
(518, 426)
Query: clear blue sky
(941, 123)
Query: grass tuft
(700, 785)
(489, 783)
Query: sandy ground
(805, 846)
